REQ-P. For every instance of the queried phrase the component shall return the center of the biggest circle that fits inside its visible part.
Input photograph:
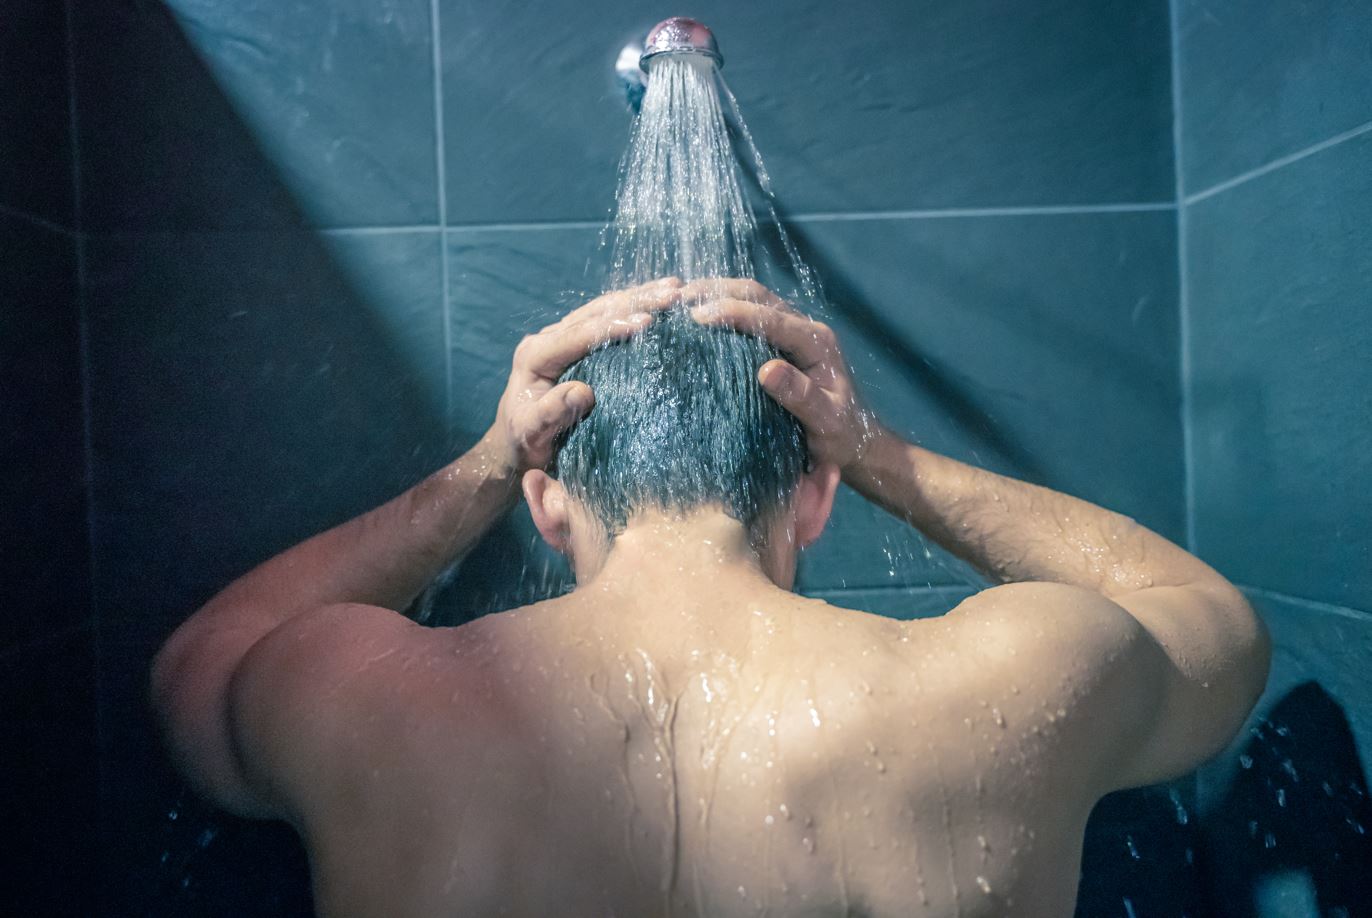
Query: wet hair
(680, 422)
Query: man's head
(681, 425)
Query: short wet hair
(680, 422)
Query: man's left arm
(382, 559)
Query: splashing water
(681, 208)
(695, 201)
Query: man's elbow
(187, 689)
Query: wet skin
(682, 734)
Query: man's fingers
(551, 351)
(558, 408)
(793, 390)
(653, 296)
(807, 341)
(731, 288)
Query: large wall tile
(48, 757)
(1040, 346)
(44, 565)
(35, 115)
(1043, 347)
(504, 285)
(855, 106)
(248, 390)
(1287, 812)
(1262, 80)
(1280, 292)
(200, 115)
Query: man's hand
(535, 408)
(814, 385)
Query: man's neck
(661, 551)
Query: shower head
(680, 35)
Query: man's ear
(547, 501)
(813, 502)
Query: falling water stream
(695, 201)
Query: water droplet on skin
(1133, 849)
(1269, 840)
(998, 718)
(981, 841)
(983, 885)
(808, 844)
(1245, 761)
(1281, 796)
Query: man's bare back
(712, 755)
(683, 735)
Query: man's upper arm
(296, 701)
(1156, 681)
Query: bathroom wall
(1276, 140)
(315, 232)
(47, 704)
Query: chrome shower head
(680, 35)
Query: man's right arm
(1190, 645)
(1195, 653)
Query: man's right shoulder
(1059, 666)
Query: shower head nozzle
(680, 35)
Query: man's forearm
(386, 556)
(1015, 531)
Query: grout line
(37, 221)
(77, 211)
(378, 230)
(1276, 164)
(87, 439)
(447, 229)
(953, 212)
(441, 178)
(1188, 453)
(515, 227)
(1362, 615)
(38, 642)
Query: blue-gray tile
(900, 603)
(44, 563)
(35, 116)
(502, 286)
(1263, 80)
(855, 106)
(248, 390)
(48, 798)
(1280, 303)
(1286, 810)
(213, 115)
(1043, 347)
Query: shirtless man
(682, 734)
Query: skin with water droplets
(625, 749)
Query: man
(681, 734)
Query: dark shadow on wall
(920, 371)
(1291, 834)
(246, 393)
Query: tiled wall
(316, 230)
(1276, 141)
(47, 705)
